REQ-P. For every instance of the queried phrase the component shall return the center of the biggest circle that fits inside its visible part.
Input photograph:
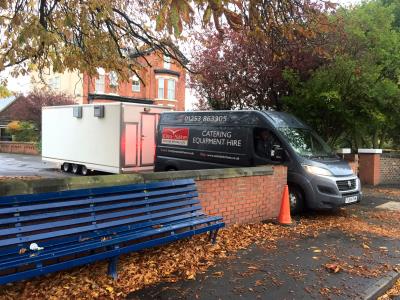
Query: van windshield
(306, 142)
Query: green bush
(23, 131)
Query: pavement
(297, 268)
(28, 165)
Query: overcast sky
(22, 84)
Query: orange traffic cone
(284, 214)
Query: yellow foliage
(14, 126)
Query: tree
(354, 100)
(29, 108)
(4, 92)
(241, 71)
(84, 35)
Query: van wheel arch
(297, 199)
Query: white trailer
(109, 137)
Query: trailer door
(148, 139)
(129, 152)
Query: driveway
(28, 165)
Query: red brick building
(163, 84)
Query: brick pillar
(369, 161)
(351, 158)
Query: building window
(135, 84)
(160, 88)
(99, 84)
(55, 83)
(113, 77)
(167, 62)
(171, 89)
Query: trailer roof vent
(77, 112)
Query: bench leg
(112, 267)
(213, 236)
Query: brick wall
(390, 168)
(19, 148)
(369, 165)
(244, 199)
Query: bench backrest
(58, 218)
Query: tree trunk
(375, 139)
(382, 139)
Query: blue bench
(48, 232)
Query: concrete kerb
(19, 186)
(381, 286)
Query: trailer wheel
(84, 170)
(75, 168)
(66, 167)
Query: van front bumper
(328, 192)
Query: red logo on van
(175, 136)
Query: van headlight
(317, 170)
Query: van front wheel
(296, 200)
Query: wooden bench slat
(46, 215)
(91, 192)
(52, 204)
(183, 214)
(94, 218)
(75, 230)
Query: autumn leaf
(333, 268)
(365, 246)
(218, 274)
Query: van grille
(346, 185)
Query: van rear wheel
(296, 200)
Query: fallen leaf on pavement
(365, 246)
(218, 274)
(333, 268)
